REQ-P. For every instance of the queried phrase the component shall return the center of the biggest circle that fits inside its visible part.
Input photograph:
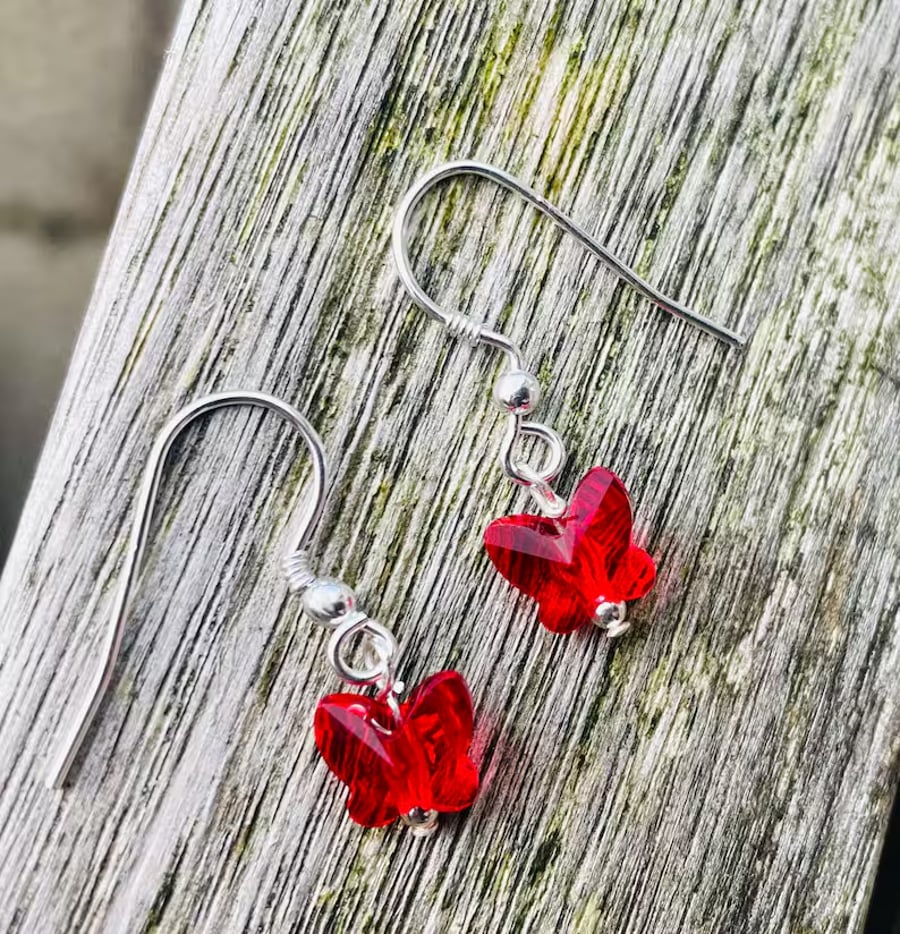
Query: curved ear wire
(141, 527)
(463, 326)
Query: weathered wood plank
(730, 764)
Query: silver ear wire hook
(464, 326)
(518, 391)
(141, 527)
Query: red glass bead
(393, 765)
(572, 564)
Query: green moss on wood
(161, 900)
(272, 664)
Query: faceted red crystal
(392, 765)
(573, 564)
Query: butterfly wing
(634, 575)
(535, 554)
(565, 607)
(610, 567)
(439, 714)
(350, 734)
(526, 549)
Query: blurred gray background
(75, 80)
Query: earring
(406, 759)
(577, 560)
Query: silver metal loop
(526, 476)
(400, 243)
(544, 496)
(141, 528)
(382, 641)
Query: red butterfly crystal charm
(573, 564)
(398, 765)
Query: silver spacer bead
(422, 823)
(610, 617)
(326, 601)
(517, 392)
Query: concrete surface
(75, 77)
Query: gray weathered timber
(729, 765)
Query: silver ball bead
(422, 823)
(518, 392)
(611, 618)
(327, 600)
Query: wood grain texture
(730, 764)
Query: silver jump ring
(380, 637)
(548, 501)
(525, 476)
